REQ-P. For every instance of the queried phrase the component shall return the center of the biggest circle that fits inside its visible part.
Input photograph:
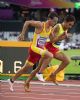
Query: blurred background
(13, 14)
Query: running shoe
(40, 77)
(10, 85)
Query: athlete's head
(53, 18)
(69, 21)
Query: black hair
(69, 18)
(52, 15)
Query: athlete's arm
(53, 36)
(36, 24)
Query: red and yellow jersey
(60, 32)
(39, 39)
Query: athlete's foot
(40, 77)
(10, 85)
(55, 82)
(27, 87)
(54, 79)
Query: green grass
(72, 67)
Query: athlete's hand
(21, 37)
(68, 35)
(65, 35)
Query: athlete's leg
(32, 75)
(22, 70)
(48, 56)
(29, 63)
(65, 61)
(18, 74)
(45, 55)
(45, 63)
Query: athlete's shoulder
(33, 23)
(56, 27)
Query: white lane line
(49, 84)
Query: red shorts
(33, 56)
(51, 48)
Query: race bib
(41, 41)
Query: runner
(36, 51)
(59, 33)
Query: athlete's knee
(67, 61)
(48, 55)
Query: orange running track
(41, 92)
